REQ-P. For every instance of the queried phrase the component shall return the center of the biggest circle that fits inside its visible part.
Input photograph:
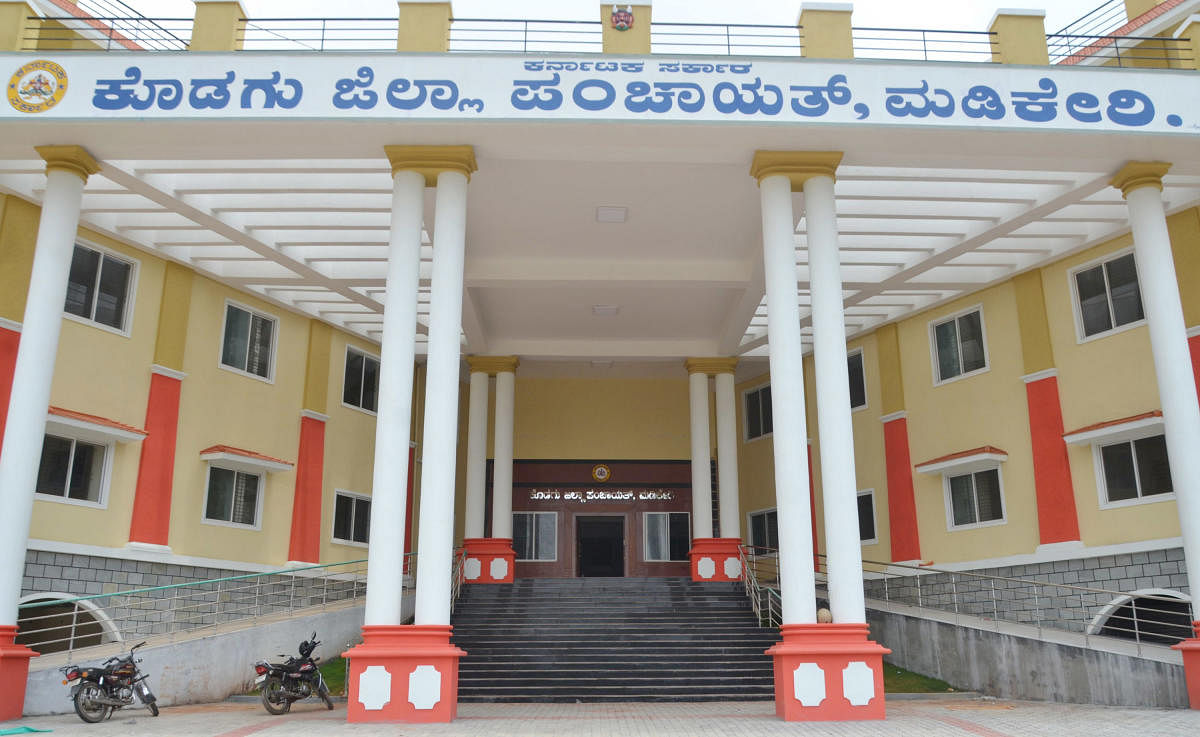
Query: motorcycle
(99, 691)
(293, 680)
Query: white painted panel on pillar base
(733, 568)
(808, 684)
(374, 687)
(706, 568)
(499, 569)
(472, 568)
(424, 687)
(858, 683)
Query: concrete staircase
(611, 639)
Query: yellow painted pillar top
(218, 25)
(633, 40)
(798, 166)
(891, 379)
(429, 161)
(1139, 174)
(1191, 31)
(492, 365)
(711, 366)
(74, 159)
(1020, 37)
(424, 26)
(316, 375)
(826, 31)
(174, 312)
(1037, 352)
(17, 23)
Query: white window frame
(862, 359)
(258, 507)
(971, 471)
(556, 535)
(874, 516)
(1144, 426)
(646, 535)
(333, 519)
(934, 365)
(371, 356)
(1077, 309)
(1102, 479)
(270, 378)
(746, 419)
(131, 290)
(109, 447)
(750, 524)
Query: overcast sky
(958, 15)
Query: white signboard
(544, 88)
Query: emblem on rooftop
(37, 86)
(622, 20)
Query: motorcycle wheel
(323, 691)
(273, 700)
(153, 709)
(86, 706)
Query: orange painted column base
(828, 673)
(488, 560)
(14, 672)
(1191, 665)
(403, 673)
(716, 559)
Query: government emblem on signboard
(601, 473)
(622, 20)
(37, 86)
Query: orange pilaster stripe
(1193, 347)
(902, 500)
(1057, 520)
(151, 520)
(305, 544)
(8, 363)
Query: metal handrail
(1102, 19)
(456, 575)
(1126, 51)
(77, 623)
(764, 599)
(106, 33)
(923, 44)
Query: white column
(477, 411)
(502, 465)
(25, 428)
(389, 487)
(1172, 362)
(701, 456)
(790, 432)
(727, 465)
(435, 551)
(838, 481)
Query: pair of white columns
(779, 174)
(699, 370)
(1141, 184)
(504, 369)
(67, 170)
(413, 169)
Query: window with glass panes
(1108, 295)
(361, 387)
(535, 536)
(958, 343)
(975, 498)
(866, 516)
(758, 412)
(1136, 469)
(248, 341)
(858, 382)
(764, 529)
(98, 287)
(351, 518)
(232, 496)
(668, 536)
(71, 469)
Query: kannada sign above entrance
(463, 87)
(584, 496)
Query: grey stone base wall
(1037, 593)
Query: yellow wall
(18, 233)
(756, 459)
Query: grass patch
(898, 680)
(334, 673)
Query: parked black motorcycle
(101, 690)
(293, 680)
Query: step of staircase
(611, 640)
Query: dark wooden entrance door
(600, 545)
